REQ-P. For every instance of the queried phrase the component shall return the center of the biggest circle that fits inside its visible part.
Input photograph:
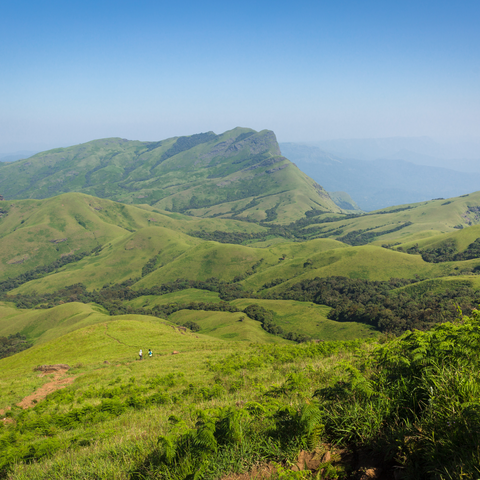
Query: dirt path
(56, 384)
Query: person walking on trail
(140, 354)
(150, 353)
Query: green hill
(238, 174)
(310, 319)
(89, 281)
(42, 326)
(35, 233)
(393, 225)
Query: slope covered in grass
(115, 340)
(310, 319)
(183, 296)
(43, 325)
(400, 224)
(227, 326)
(366, 262)
(37, 233)
(238, 173)
(409, 404)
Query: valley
(279, 322)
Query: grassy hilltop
(239, 173)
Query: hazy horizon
(431, 151)
(78, 71)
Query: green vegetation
(280, 325)
(391, 307)
(238, 174)
(448, 252)
(13, 344)
(412, 401)
(310, 320)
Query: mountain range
(380, 183)
(279, 323)
(239, 173)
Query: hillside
(35, 233)
(205, 405)
(393, 225)
(272, 341)
(238, 174)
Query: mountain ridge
(238, 174)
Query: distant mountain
(344, 201)
(238, 174)
(460, 156)
(380, 183)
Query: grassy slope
(310, 319)
(298, 317)
(31, 231)
(183, 296)
(226, 326)
(113, 446)
(44, 325)
(367, 262)
(428, 219)
(178, 174)
(181, 256)
(226, 261)
(134, 235)
(117, 341)
(461, 237)
(119, 260)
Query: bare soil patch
(56, 383)
(261, 472)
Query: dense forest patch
(13, 344)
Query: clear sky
(72, 71)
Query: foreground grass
(108, 421)
(222, 407)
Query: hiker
(150, 353)
(140, 354)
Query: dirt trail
(57, 383)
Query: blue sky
(74, 71)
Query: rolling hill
(98, 242)
(266, 314)
(238, 174)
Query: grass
(226, 326)
(366, 262)
(183, 296)
(431, 218)
(112, 421)
(44, 325)
(116, 340)
(310, 319)
(132, 235)
(197, 378)
(177, 174)
(38, 232)
(119, 419)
